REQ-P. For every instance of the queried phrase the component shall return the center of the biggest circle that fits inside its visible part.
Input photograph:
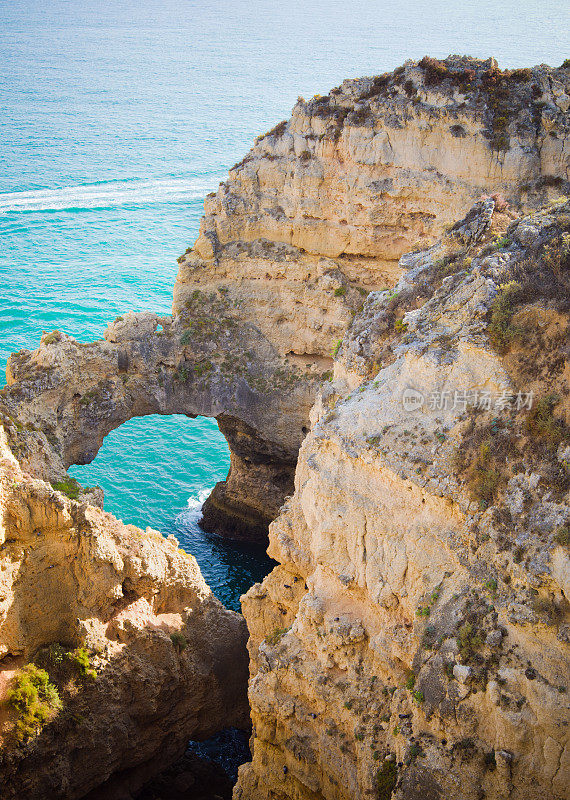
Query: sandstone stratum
(407, 233)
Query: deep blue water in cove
(117, 118)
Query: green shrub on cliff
(179, 641)
(468, 640)
(68, 486)
(80, 657)
(541, 422)
(35, 699)
(386, 779)
(274, 637)
(51, 338)
(500, 330)
(562, 536)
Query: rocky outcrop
(315, 217)
(140, 656)
(414, 640)
(381, 165)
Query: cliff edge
(414, 640)
(113, 650)
(315, 216)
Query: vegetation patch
(179, 641)
(468, 640)
(435, 71)
(80, 658)
(429, 637)
(385, 779)
(273, 638)
(542, 423)
(52, 338)
(483, 478)
(277, 130)
(88, 397)
(414, 752)
(35, 699)
(379, 85)
(68, 486)
(562, 536)
(500, 330)
(556, 254)
(203, 367)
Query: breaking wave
(109, 194)
(193, 511)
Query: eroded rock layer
(63, 399)
(381, 165)
(414, 640)
(140, 656)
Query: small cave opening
(157, 471)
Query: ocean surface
(117, 118)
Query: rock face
(170, 661)
(414, 640)
(381, 165)
(315, 217)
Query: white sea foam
(110, 194)
(193, 511)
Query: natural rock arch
(70, 395)
(315, 216)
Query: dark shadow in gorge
(140, 711)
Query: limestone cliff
(414, 640)
(66, 396)
(140, 656)
(315, 217)
(381, 165)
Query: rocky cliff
(381, 165)
(413, 639)
(314, 217)
(113, 651)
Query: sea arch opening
(157, 471)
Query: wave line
(109, 194)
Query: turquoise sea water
(117, 118)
